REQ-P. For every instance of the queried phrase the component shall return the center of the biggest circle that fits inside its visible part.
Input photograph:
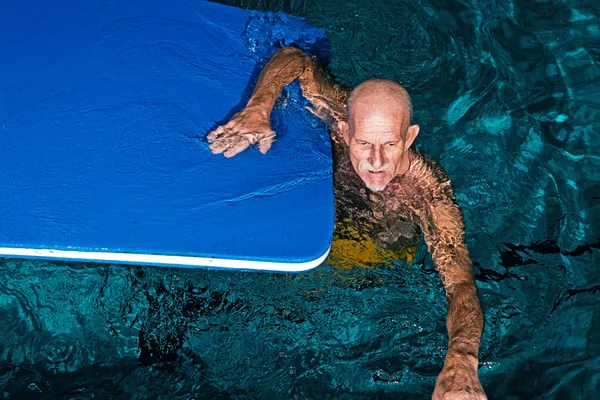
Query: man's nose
(377, 158)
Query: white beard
(367, 167)
(376, 188)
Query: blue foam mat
(103, 112)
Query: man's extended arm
(444, 231)
(252, 124)
(465, 318)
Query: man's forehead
(379, 95)
(381, 115)
(378, 122)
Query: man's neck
(406, 164)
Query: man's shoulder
(428, 165)
(431, 176)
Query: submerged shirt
(396, 231)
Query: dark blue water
(508, 97)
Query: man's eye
(391, 144)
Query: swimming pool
(507, 95)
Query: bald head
(378, 131)
(379, 94)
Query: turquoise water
(507, 95)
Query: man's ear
(345, 131)
(412, 133)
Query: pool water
(507, 95)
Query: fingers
(265, 144)
(216, 133)
(220, 144)
(230, 143)
(224, 139)
(237, 148)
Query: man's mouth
(377, 173)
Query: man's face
(378, 141)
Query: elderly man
(372, 138)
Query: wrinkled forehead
(374, 108)
(389, 122)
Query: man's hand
(247, 127)
(458, 383)
(251, 125)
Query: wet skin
(372, 136)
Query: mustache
(367, 165)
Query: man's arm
(444, 231)
(252, 124)
(464, 321)
(289, 64)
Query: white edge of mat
(163, 260)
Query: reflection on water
(507, 96)
(184, 331)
